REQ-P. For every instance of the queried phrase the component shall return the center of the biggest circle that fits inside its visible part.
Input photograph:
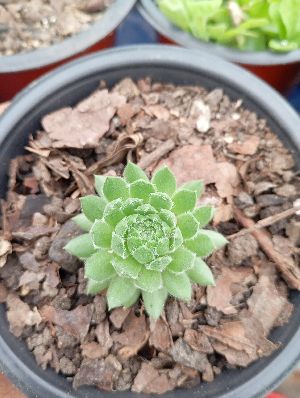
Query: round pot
(17, 71)
(279, 70)
(70, 84)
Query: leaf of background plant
(132, 173)
(120, 292)
(164, 180)
(290, 15)
(201, 273)
(83, 222)
(178, 285)
(154, 303)
(81, 246)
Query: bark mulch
(250, 179)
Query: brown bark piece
(289, 271)
(75, 322)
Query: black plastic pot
(70, 84)
(17, 71)
(279, 70)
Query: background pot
(70, 84)
(279, 70)
(17, 71)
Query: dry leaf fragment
(20, 315)
(160, 335)
(84, 125)
(228, 283)
(248, 147)
(194, 162)
(149, 381)
(5, 250)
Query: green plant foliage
(144, 238)
(249, 25)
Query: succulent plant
(145, 238)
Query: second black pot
(70, 84)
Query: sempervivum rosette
(144, 237)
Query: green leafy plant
(249, 25)
(144, 238)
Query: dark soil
(30, 24)
(248, 174)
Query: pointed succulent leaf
(204, 215)
(81, 246)
(83, 222)
(132, 299)
(176, 240)
(130, 205)
(120, 292)
(94, 287)
(168, 217)
(115, 188)
(133, 173)
(216, 238)
(178, 285)
(163, 246)
(133, 243)
(149, 280)
(141, 189)
(143, 254)
(196, 186)
(101, 233)
(184, 201)
(159, 264)
(200, 244)
(160, 200)
(164, 180)
(154, 303)
(182, 260)
(145, 209)
(201, 273)
(188, 225)
(93, 206)
(129, 267)
(113, 213)
(118, 246)
(99, 182)
(98, 267)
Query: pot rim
(149, 10)
(35, 59)
(155, 56)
